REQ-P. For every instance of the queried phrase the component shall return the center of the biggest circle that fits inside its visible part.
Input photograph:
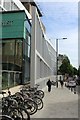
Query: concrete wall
(43, 55)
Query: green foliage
(67, 68)
(75, 71)
(64, 68)
(78, 71)
(70, 70)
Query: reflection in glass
(11, 62)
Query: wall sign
(6, 23)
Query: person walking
(61, 82)
(49, 83)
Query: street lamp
(57, 60)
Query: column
(33, 48)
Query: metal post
(57, 63)
(57, 60)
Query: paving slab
(59, 103)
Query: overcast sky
(61, 20)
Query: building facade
(16, 43)
(27, 55)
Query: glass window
(17, 78)
(8, 54)
(1, 9)
(15, 7)
(6, 4)
(12, 5)
(27, 25)
(0, 2)
(0, 51)
(12, 54)
(26, 63)
(4, 80)
(8, 47)
(29, 40)
(28, 51)
(11, 80)
(11, 62)
(18, 54)
(27, 45)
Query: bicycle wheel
(19, 113)
(25, 113)
(5, 117)
(31, 106)
(40, 93)
(38, 101)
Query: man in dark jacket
(49, 83)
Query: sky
(61, 20)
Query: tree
(70, 70)
(75, 71)
(78, 71)
(67, 68)
(64, 68)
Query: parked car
(71, 83)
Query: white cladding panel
(46, 59)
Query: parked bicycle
(11, 108)
(22, 104)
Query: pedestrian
(49, 83)
(61, 82)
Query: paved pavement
(59, 103)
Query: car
(71, 83)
